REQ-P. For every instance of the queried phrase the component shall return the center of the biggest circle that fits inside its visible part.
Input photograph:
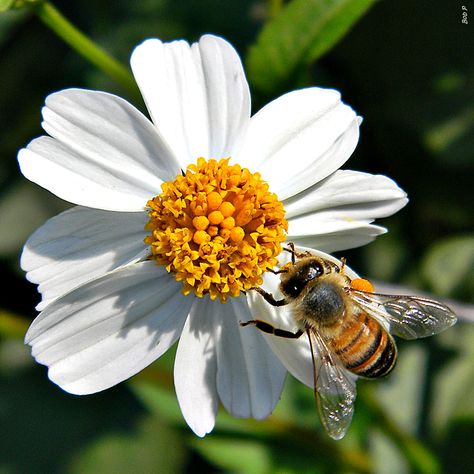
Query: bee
(349, 329)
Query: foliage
(301, 32)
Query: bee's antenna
(277, 272)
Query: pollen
(217, 228)
(363, 285)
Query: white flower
(108, 308)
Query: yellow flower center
(217, 228)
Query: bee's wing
(334, 389)
(410, 317)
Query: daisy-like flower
(178, 217)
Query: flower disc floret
(217, 228)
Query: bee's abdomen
(365, 348)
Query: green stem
(420, 458)
(52, 18)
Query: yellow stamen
(227, 208)
(201, 237)
(218, 228)
(214, 200)
(213, 230)
(228, 223)
(215, 217)
(201, 222)
(237, 234)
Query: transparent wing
(410, 317)
(334, 388)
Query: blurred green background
(407, 68)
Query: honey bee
(347, 326)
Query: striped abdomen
(364, 347)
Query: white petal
(336, 214)
(348, 195)
(293, 353)
(249, 376)
(105, 154)
(299, 139)
(331, 236)
(197, 96)
(110, 328)
(79, 245)
(227, 92)
(196, 366)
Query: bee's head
(297, 276)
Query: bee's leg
(268, 328)
(269, 298)
(295, 254)
(291, 249)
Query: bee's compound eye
(315, 270)
(293, 288)
(295, 285)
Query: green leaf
(454, 384)
(386, 458)
(18, 4)
(401, 396)
(158, 400)
(235, 455)
(5, 5)
(448, 265)
(420, 458)
(163, 402)
(152, 447)
(302, 32)
(9, 20)
(23, 208)
(441, 137)
(264, 455)
(12, 326)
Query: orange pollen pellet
(228, 223)
(227, 208)
(363, 285)
(215, 217)
(200, 222)
(201, 237)
(214, 200)
(237, 234)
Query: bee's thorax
(321, 304)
